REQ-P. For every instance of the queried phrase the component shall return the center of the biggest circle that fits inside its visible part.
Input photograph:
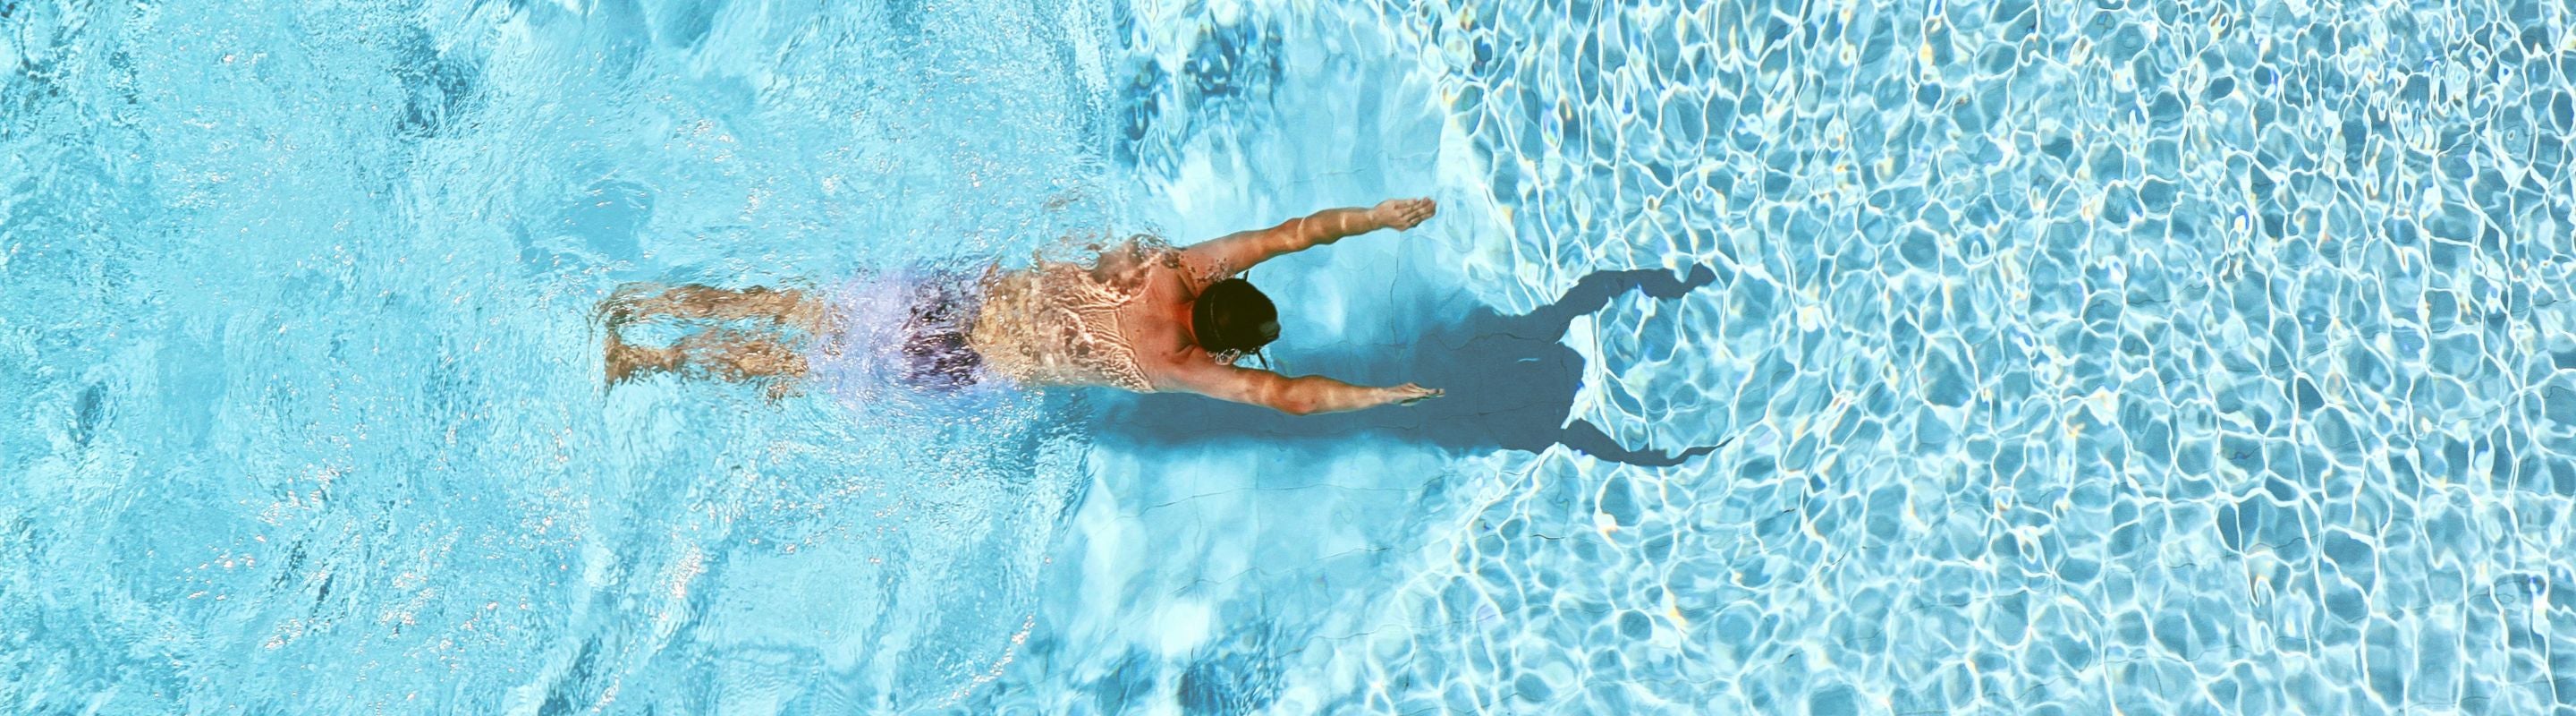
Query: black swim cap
(1231, 315)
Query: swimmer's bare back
(1173, 359)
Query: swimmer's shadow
(1509, 383)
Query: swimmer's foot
(620, 306)
(613, 368)
(616, 364)
(623, 361)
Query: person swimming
(1143, 316)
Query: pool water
(2158, 357)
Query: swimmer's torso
(1062, 323)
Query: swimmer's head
(1231, 315)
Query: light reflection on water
(2145, 356)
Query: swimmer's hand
(1402, 214)
(1407, 394)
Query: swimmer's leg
(645, 301)
(742, 357)
(735, 356)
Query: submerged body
(1130, 319)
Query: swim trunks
(901, 328)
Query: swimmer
(1143, 316)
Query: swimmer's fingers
(1402, 214)
(1408, 394)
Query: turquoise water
(2113, 355)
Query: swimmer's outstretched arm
(1241, 249)
(1304, 395)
